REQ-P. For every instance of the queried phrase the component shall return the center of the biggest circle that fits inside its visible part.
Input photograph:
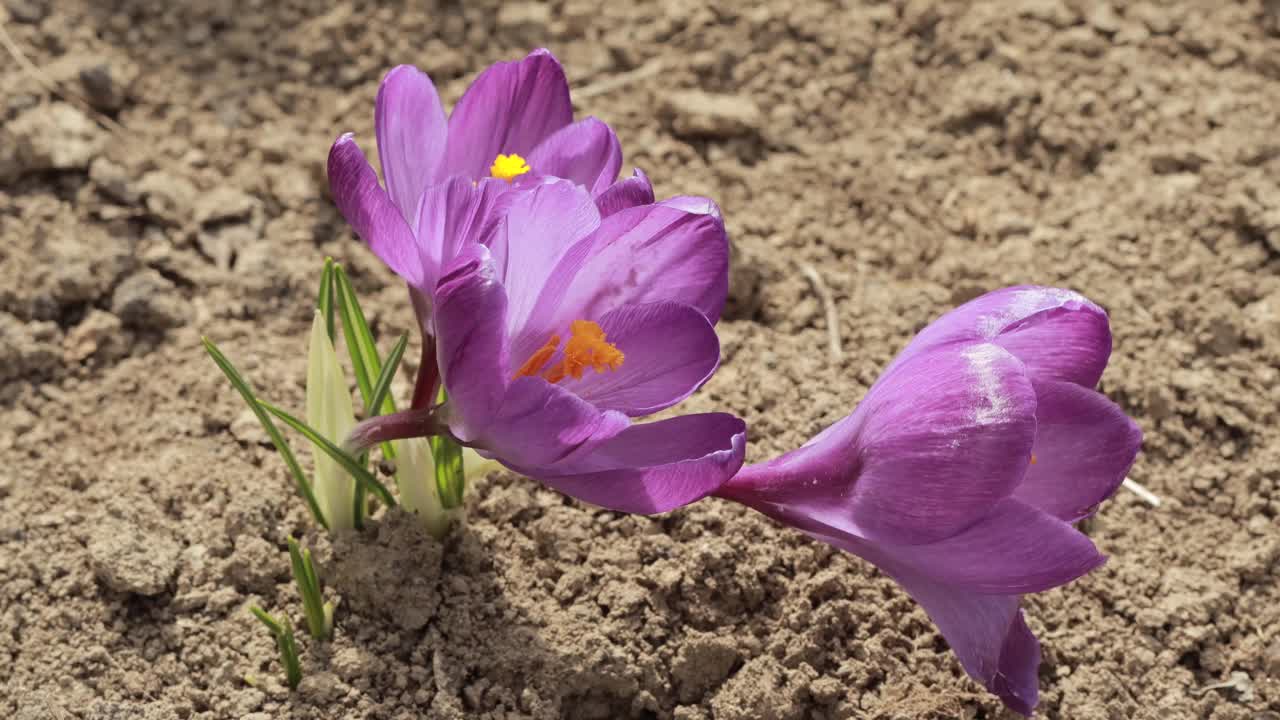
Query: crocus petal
(694, 204)
(452, 215)
(510, 108)
(586, 152)
(538, 228)
(1057, 333)
(469, 315)
(626, 193)
(659, 466)
(369, 210)
(421, 302)
(1015, 549)
(412, 130)
(1084, 447)
(541, 424)
(639, 255)
(928, 452)
(669, 351)
(986, 632)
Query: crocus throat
(509, 167)
(587, 347)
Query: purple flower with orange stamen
(962, 470)
(512, 128)
(555, 327)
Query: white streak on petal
(983, 359)
(1023, 303)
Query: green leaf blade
(364, 352)
(246, 391)
(348, 463)
(451, 478)
(355, 328)
(382, 388)
(324, 301)
(313, 605)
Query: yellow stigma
(508, 167)
(587, 348)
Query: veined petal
(510, 108)
(626, 193)
(640, 255)
(929, 451)
(369, 210)
(470, 313)
(412, 130)
(658, 466)
(586, 152)
(1057, 333)
(670, 350)
(452, 215)
(986, 632)
(540, 424)
(695, 204)
(1085, 445)
(989, 636)
(539, 227)
(1014, 549)
(421, 302)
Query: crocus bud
(419, 489)
(475, 465)
(416, 478)
(329, 412)
(962, 470)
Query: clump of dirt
(914, 153)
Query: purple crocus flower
(513, 126)
(555, 327)
(962, 470)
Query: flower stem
(424, 388)
(420, 422)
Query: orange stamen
(587, 348)
(539, 359)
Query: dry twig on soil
(616, 82)
(1146, 495)
(49, 84)
(829, 307)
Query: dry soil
(161, 177)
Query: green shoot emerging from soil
(318, 612)
(283, 634)
(429, 472)
(246, 391)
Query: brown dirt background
(915, 153)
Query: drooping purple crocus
(962, 470)
(555, 327)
